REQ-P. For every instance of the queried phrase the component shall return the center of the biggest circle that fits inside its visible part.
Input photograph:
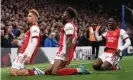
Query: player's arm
(69, 30)
(99, 38)
(33, 41)
(125, 37)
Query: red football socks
(31, 72)
(67, 71)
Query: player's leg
(56, 66)
(106, 65)
(111, 63)
(73, 71)
(99, 61)
(16, 65)
(59, 66)
(70, 71)
(18, 70)
(13, 71)
(48, 70)
(97, 64)
(26, 72)
(22, 72)
(61, 69)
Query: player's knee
(103, 67)
(54, 72)
(13, 72)
(47, 71)
(96, 67)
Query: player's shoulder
(122, 29)
(35, 27)
(122, 32)
(68, 25)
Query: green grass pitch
(126, 73)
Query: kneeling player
(67, 44)
(29, 47)
(114, 38)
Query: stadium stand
(14, 13)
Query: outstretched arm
(99, 38)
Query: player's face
(112, 23)
(64, 17)
(30, 18)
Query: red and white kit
(68, 30)
(29, 47)
(114, 40)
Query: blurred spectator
(5, 43)
(50, 41)
(18, 41)
(95, 45)
(82, 39)
(14, 13)
(10, 33)
(15, 29)
(44, 35)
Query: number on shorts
(19, 59)
(114, 58)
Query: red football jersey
(34, 31)
(68, 29)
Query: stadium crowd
(14, 13)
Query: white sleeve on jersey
(104, 34)
(34, 31)
(69, 29)
(123, 34)
(34, 40)
(32, 46)
(99, 38)
(125, 37)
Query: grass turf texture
(126, 73)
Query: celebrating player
(29, 47)
(67, 44)
(114, 46)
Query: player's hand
(117, 52)
(15, 41)
(27, 60)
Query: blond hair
(34, 11)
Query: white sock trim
(79, 70)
